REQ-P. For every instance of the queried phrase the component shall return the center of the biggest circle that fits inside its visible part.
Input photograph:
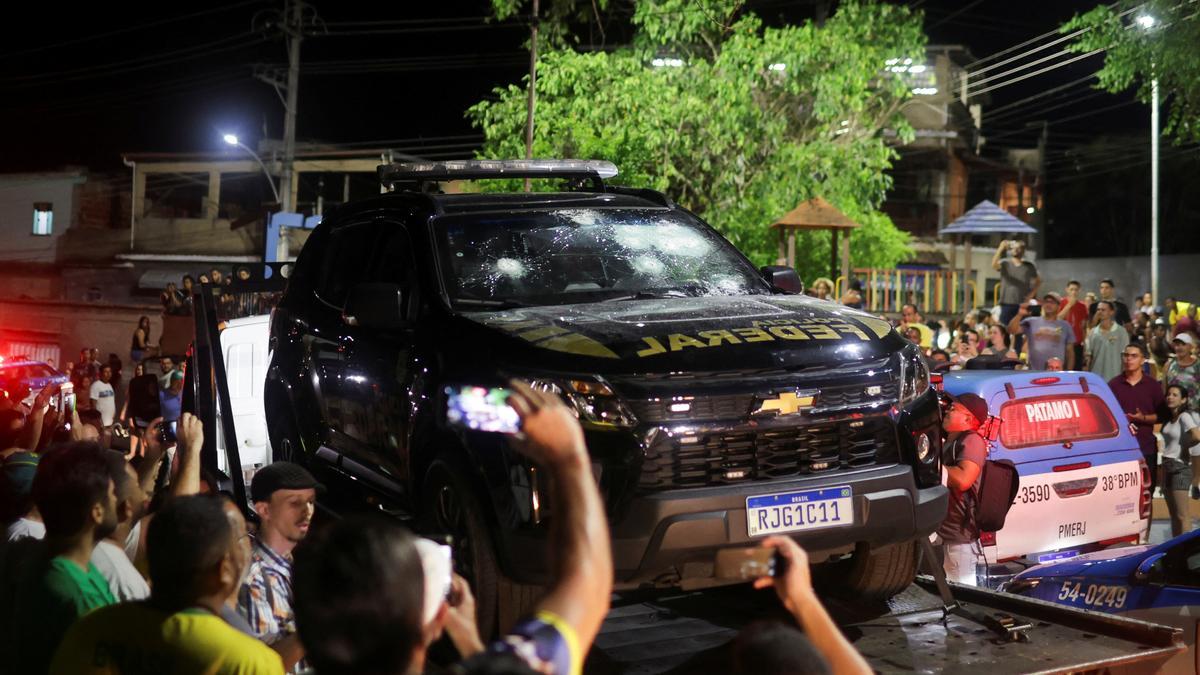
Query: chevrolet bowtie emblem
(788, 403)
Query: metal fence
(932, 291)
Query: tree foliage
(1136, 54)
(754, 121)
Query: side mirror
(783, 279)
(378, 306)
(1150, 570)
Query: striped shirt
(265, 599)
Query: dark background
(86, 84)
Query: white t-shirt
(106, 402)
(24, 527)
(123, 578)
(1175, 436)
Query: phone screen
(167, 432)
(481, 409)
(68, 403)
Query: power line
(131, 29)
(1037, 72)
(1071, 118)
(953, 14)
(1043, 94)
(199, 51)
(1013, 114)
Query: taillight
(987, 538)
(1144, 500)
(1127, 539)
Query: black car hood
(696, 334)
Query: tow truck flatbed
(691, 633)
(651, 632)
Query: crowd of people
(115, 564)
(1147, 353)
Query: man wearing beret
(284, 496)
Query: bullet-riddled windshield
(586, 255)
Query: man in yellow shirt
(197, 556)
(1176, 309)
(911, 318)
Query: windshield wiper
(651, 295)
(488, 302)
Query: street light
(1148, 22)
(231, 139)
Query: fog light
(923, 448)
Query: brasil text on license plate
(802, 510)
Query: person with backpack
(959, 532)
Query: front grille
(656, 410)
(724, 458)
(739, 406)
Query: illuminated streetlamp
(231, 139)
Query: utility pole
(533, 38)
(292, 28)
(1154, 190)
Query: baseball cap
(1184, 337)
(1052, 296)
(18, 471)
(281, 476)
(976, 405)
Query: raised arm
(795, 589)
(190, 432)
(998, 256)
(582, 564)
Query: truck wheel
(450, 508)
(516, 601)
(881, 572)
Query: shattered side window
(585, 255)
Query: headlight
(592, 401)
(914, 376)
(924, 446)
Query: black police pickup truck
(719, 406)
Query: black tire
(515, 601)
(881, 572)
(450, 508)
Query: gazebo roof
(987, 218)
(815, 214)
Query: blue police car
(22, 378)
(1083, 483)
(1157, 583)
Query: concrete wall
(1178, 275)
(72, 325)
(18, 193)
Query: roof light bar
(428, 172)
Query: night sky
(86, 85)
(116, 77)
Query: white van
(244, 348)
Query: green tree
(1144, 40)
(755, 120)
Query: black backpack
(997, 489)
(998, 485)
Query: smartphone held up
(481, 409)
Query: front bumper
(660, 534)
